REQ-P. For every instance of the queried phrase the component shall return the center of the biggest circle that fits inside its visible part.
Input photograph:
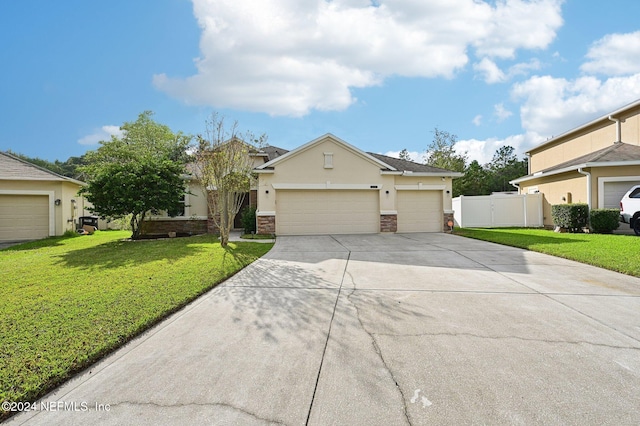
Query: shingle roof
(273, 151)
(408, 166)
(14, 168)
(614, 153)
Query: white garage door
(420, 211)
(24, 217)
(327, 212)
(614, 191)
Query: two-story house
(595, 163)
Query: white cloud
(520, 24)
(614, 55)
(477, 120)
(553, 106)
(483, 150)
(501, 112)
(102, 134)
(490, 72)
(287, 57)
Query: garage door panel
(327, 212)
(614, 191)
(24, 217)
(419, 211)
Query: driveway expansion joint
(326, 343)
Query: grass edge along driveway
(620, 253)
(67, 302)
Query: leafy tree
(476, 180)
(404, 155)
(140, 172)
(505, 167)
(441, 153)
(224, 165)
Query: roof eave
(433, 174)
(575, 168)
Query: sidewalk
(235, 236)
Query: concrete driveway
(380, 330)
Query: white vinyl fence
(498, 210)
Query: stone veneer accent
(164, 226)
(266, 225)
(388, 223)
(447, 217)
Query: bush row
(576, 217)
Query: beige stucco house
(328, 186)
(595, 163)
(36, 203)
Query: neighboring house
(330, 187)
(35, 202)
(595, 163)
(195, 218)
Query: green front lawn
(66, 302)
(619, 253)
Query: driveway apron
(385, 329)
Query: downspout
(618, 128)
(588, 175)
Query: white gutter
(576, 167)
(588, 175)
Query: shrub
(604, 221)
(574, 217)
(248, 219)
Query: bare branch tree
(224, 164)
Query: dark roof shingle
(614, 153)
(407, 166)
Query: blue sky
(379, 74)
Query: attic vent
(328, 160)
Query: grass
(615, 252)
(66, 302)
(257, 237)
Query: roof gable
(14, 168)
(327, 137)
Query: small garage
(419, 211)
(317, 212)
(34, 202)
(24, 217)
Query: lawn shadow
(36, 244)
(116, 254)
